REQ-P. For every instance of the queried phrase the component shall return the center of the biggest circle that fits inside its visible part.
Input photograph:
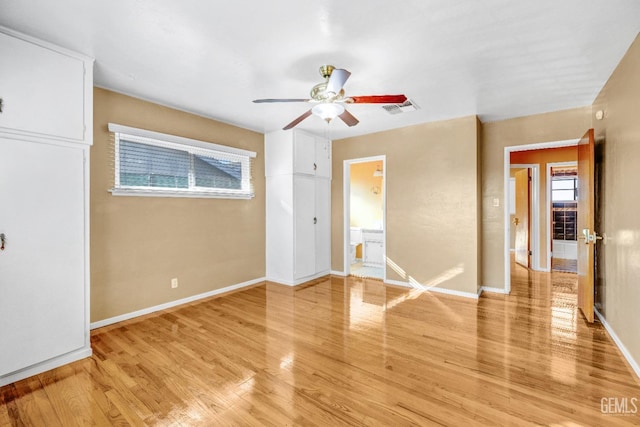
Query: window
(564, 189)
(154, 164)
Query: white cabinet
(297, 152)
(298, 208)
(43, 90)
(373, 248)
(44, 175)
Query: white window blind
(153, 164)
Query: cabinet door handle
(315, 220)
(2, 240)
(315, 167)
(0, 105)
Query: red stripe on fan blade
(348, 118)
(262, 101)
(298, 120)
(378, 99)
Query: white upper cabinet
(312, 155)
(304, 153)
(43, 90)
(297, 152)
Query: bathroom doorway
(364, 213)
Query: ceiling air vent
(405, 107)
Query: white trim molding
(47, 365)
(170, 304)
(632, 362)
(433, 289)
(338, 273)
(492, 290)
(299, 281)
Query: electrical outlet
(174, 283)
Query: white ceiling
(494, 58)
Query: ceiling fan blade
(348, 118)
(298, 120)
(262, 101)
(337, 80)
(376, 99)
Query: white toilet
(355, 240)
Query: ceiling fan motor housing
(319, 93)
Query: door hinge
(530, 253)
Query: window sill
(175, 193)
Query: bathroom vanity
(372, 247)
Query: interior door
(42, 293)
(586, 219)
(323, 225)
(304, 229)
(522, 217)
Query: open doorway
(364, 213)
(562, 190)
(535, 158)
(524, 219)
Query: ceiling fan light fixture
(328, 110)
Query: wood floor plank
(343, 351)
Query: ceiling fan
(329, 98)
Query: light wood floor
(567, 265)
(342, 352)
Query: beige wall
(555, 126)
(139, 243)
(617, 175)
(366, 206)
(542, 157)
(432, 201)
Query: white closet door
(304, 152)
(304, 231)
(323, 226)
(42, 293)
(323, 157)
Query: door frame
(549, 222)
(346, 194)
(534, 212)
(506, 214)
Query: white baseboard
(81, 353)
(338, 273)
(621, 347)
(127, 316)
(492, 290)
(434, 289)
(398, 283)
(297, 282)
